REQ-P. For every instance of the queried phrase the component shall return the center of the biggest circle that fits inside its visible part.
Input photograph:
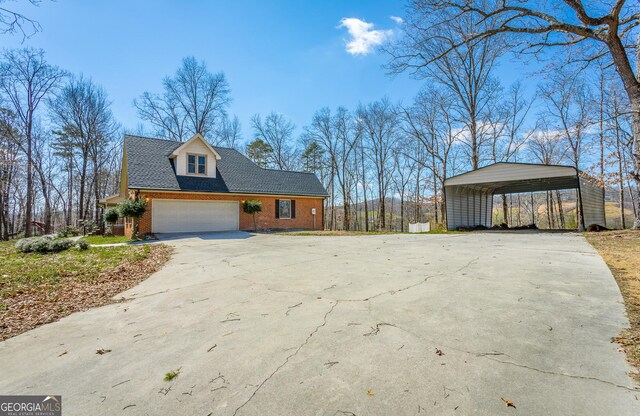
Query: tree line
(383, 163)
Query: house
(195, 187)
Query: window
(285, 209)
(197, 164)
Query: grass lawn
(621, 251)
(100, 239)
(41, 288)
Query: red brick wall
(265, 220)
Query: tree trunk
(4, 234)
(504, 209)
(550, 210)
(83, 177)
(631, 82)
(346, 224)
(636, 156)
(474, 145)
(623, 220)
(402, 211)
(560, 211)
(28, 215)
(381, 202)
(96, 190)
(533, 210)
(70, 193)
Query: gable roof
(196, 137)
(149, 166)
(503, 171)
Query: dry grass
(621, 251)
(331, 233)
(36, 289)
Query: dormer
(195, 157)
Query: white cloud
(398, 20)
(363, 37)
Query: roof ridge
(285, 170)
(215, 146)
(151, 138)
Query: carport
(469, 196)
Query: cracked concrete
(276, 325)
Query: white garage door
(179, 216)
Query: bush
(59, 245)
(133, 208)
(111, 216)
(69, 231)
(27, 245)
(43, 245)
(88, 226)
(252, 207)
(83, 244)
(108, 232)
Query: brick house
(196, 187)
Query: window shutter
(277, 208)
(293, 208)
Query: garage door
(180, 216)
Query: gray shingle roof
(149, 167)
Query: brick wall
(265, 220)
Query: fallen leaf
(369, 392)
(63, 353)
(439, 352)
(102, 351)
(508, 402)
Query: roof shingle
(149, 167)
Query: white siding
(592, 203)
(195, 148)
(467, 207)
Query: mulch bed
(45, 304)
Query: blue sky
(284, 56)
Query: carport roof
(506, 178)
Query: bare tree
(586, 32)
(194, 101)
(506, 126)
(25, 80)
(335, 134)
(8, 168)
(430, 122)
(277, 132)
(12, 22)
(380, 128)
(82, 114)
(229, 133)
(426, 51)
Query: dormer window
(197, 164)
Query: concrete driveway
(359, 325)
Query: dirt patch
(32, 306)
(621, 251)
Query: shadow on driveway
(219, 235)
